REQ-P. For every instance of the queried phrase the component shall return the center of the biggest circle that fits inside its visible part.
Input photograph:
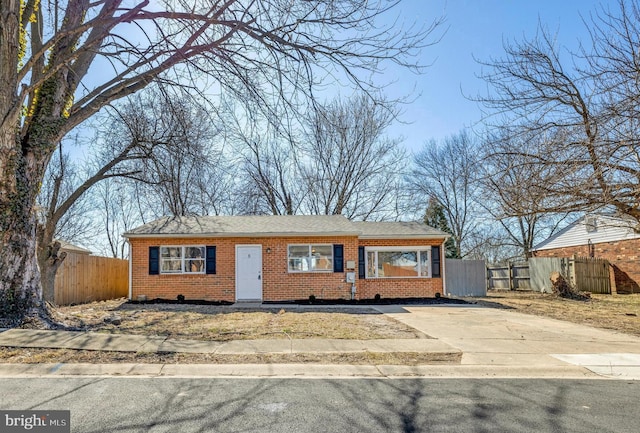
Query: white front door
(248, 272)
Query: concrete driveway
(494, 337)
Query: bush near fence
(83, 278)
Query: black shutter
(361, 262)
(435, 262)
(338, 258)
(154, 260)
(211, 260)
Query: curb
(295, 371)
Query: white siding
(608, 229)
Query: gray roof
(279, 225)
(254, 225)
(66, 246)
(396, 230)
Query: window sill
(398, 278)
(323, 271)
(183, 273)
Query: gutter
(281, 235)
(236, 235)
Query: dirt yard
(617, 312)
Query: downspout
(443, 258)
(130, 270)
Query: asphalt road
(325, 405)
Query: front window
(398, 262)
(182, 260)
(310, 258)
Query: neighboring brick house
(600, 236)
(279, 258)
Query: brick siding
(624, 256)
(278, 284)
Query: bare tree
(132, 135)
(273, 47)
(115, 208)
(447, 171)
(270, 180)
(512, 191)
(572, 122)
(174, 171)
(74, 224)
(62, 178)
(349, 166)
(270, 185)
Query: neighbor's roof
(66, 246)
(279, 225)
(396, 230)
(600, 228)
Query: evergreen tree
(434, 217)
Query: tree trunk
(21, 300)
(49, 260)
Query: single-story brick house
(600, 236)
(279, 258)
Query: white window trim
(183, 259)
(398, 248)
(310, 271)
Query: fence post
(510, 270)
(573, 274)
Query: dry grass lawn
(225, 323)
(37, 356)
(616, 312)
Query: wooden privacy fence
(586, 274)
(511, 276)
(83, 278)
(589, 275)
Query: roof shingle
(280, 225)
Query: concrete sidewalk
(140, 343)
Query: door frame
(259, 247)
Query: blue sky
(475, 28)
